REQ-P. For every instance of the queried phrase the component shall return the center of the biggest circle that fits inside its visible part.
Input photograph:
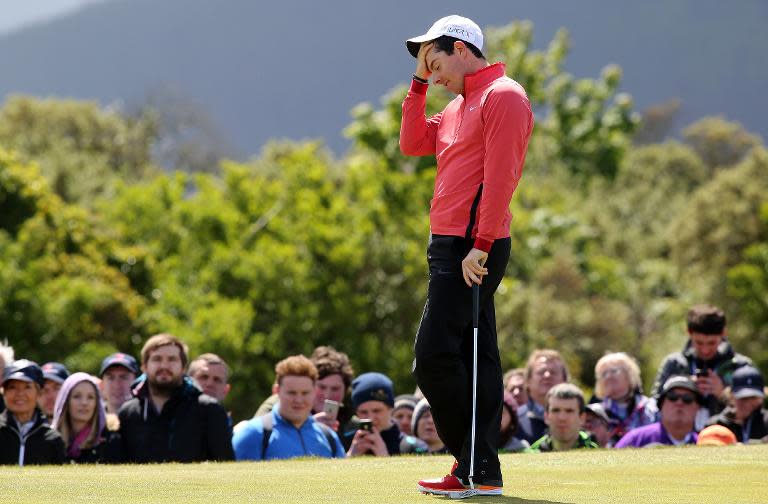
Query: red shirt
(481, 138)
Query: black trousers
(443, 363)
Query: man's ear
(275, 388)
(460, 47)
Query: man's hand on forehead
(422, 69)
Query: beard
(164, 387)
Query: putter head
(469, 492)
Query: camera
(366, 425)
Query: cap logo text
(458, 30)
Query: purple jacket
(651, 435)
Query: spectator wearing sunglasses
(678, 403)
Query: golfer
(480, 140)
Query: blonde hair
(549, 356)
(627, 363)
(64, 425)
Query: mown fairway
(689, 475)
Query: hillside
(295, 68)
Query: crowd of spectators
(166, 408)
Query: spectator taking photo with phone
(377, 434)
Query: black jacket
(726, 361)
(42, 445)
(108, 451)
(397, 443)
(758, 423)
(192, 427)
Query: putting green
(700, 475)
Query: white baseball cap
(454, 26)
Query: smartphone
(366, 425)
(331, 409)
(702, 372)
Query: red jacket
(480, 140)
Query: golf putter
(475, 318)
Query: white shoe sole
(459, 494)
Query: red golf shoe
(454, 488)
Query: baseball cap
(24, 370)
(454, 26)
(747, 382)
(716, 435)
(598, 410)
(372, 387)
(55, 371)
(679, 381)
(406, 401)
(119, 359)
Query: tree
(722, 219)
(587, 126)
(81, 148)
(656, 124)
(627, 211)
(59, 289)
(187, 137)
(720, 143)
(747, 292)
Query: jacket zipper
(23, 442)
(301, 438)
(461, 122)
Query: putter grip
(475, 304)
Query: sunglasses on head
(686, 398)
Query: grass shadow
(491, 499)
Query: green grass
(697, 475)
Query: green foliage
(587, 127)
(747, 291)
(721, 220)
(81, 148)
(59, 290)
(256, 261)
(588, 131)
(279, 256)
(720, 143)
(627, 210)
(21, 189)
